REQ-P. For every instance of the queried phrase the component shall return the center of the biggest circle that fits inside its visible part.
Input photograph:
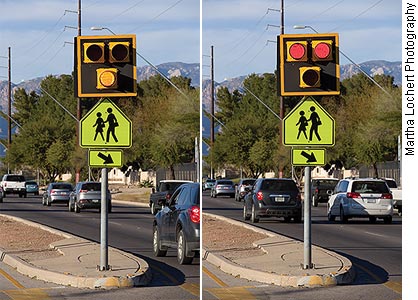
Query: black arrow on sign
(107, 159)
(311, 157)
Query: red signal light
(297, 51)
(322, 50)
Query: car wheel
(70, 207)
(372, 219)
(331, 218)
(157, 249)
(76, 208)
(182, 257)
(254, 217)
(298, 218)
(387, 220)
(1, 199)
(25, 195)
(315, 201)
(43, 201)
(48, 202)
(287, 219)
(153, 210)
(245, 213)
(343, 217)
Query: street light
(102, 28)
(349, 59)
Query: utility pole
(77, 129)
(9, 100)
(281, 97)
(212, 110)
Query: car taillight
(299, 197)
(353, 195)
(387, 196)
(83, 191)
(259, 196)
(53, 191)
(194, 213)
(316, 190)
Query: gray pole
(103, 224)
(212, 109)
(9, 100)
(307, 245)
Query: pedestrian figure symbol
(99, 126)
(112, 124)
(303, 124)
(315, 122)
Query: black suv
(177, 225)
(322, 188)
(273, 197)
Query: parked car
(1, 194)
(13, 184)
(86, 195)
(165, 189)
(243, 188)
(57, 192)
(223, 187)
(396, 194)
(32, 187)
(322, 189)
(177, 225)
(363, 197)
(209, 183)
(273, 197)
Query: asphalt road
(130, 229)
(374, 249)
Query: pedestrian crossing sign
(105, 126)
(308, 124)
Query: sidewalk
(281, 262)
(78, 264)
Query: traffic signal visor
(94, 53)
(297, 51)
(322, 50)
(119, 52)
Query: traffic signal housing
(105, 66)
(308, 64)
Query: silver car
(57, 192)
(223, 187)
(86, 195)
(363, 197)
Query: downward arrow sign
(310, 157)
(106, 159)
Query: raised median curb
(344, 274)
(142, 275)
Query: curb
(140, 278)
(344, 276)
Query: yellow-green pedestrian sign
(308, 124)
(105, 126)
(308, 157)
(105, 158)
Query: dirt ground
(27, 242)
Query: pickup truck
(165, 189)
(396, 194)
(322, 189)
(13, 184)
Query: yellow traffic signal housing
(310, 77)
(308, 64)
(94, 53)
(107, 78)
(297, 51)
(118, 52)
(105, 66)
(322, 50)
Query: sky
(243, 32)
(41, 32)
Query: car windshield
(62, 186)
(210, 181)
(326, 182)
(30, 183)
(170, 186)
(391, 183)
(17, 178)
(369, 187)
(225, 182)
(278, 185)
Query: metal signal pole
(212, 109)
(9, 99)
